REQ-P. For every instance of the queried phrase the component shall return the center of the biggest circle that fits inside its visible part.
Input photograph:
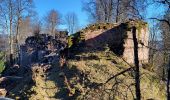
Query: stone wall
(119, 37)
(143, 51)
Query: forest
(85, 50)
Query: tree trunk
(11, 35)
(168, 81)
(17, 40)
(136, 61)
(117, 11)
(11, 45)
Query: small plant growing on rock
(70, 41)
(106, 48)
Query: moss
(138, 24)
(96, 26)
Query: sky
(66, 6)
(63, 7)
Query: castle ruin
(119, 37)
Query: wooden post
(136, 61)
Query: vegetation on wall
(79, 37)
(138, 24)
(70, 41)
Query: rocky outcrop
(40, 49)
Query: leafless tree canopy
(71, 22)
(52, 20)
(166, 31)
(115, 10)
(12, 13)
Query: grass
(85, 75)
(99, 70)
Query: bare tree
(71, 22)
(3, 43)
(153, 40)
(37, 27)
(90, 7)
(25, 29)
(129, 9)
(22, 7)
(115, 10)
(52, 19)
(12, 12)
(164, 2)
(105, 10)
(8, 11)
(165, 27)
(99, 10)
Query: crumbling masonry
(119, 38)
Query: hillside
(98, 67)
(84, 77)
(83, 70)
(84, 49)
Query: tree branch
(162, 20)
(129, 69)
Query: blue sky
(63, 7)
(66, 6)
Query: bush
(2, 62)
(70, 41)
(2, 66)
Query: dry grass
(98, 71)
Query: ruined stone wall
(143, 51)
(99, 37)
(40, 49)
(27, 57)
(120, 38)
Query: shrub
(2, 62)
(2, 66)
(70, 41)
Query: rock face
(119, 38)
(41, 48)
(38, 74)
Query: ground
(84, 77)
